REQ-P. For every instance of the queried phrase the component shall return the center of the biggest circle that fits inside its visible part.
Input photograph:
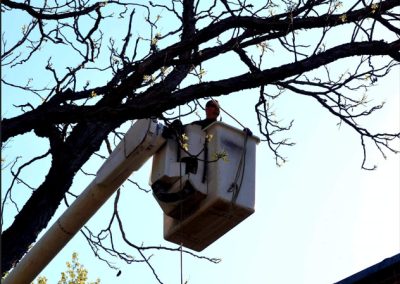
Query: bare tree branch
(149, 65)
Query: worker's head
(212, 109)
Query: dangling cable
(180, 207)
(236, 185)
(181, 249)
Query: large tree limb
(157, 102)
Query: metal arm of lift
(141, 141)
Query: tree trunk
(40, 208)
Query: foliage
(76, 273)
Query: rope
(180, 205)
(181, 263)
(235, 186)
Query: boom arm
(141, 141)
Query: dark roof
(384, 272)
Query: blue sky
(319, 218)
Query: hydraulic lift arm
(141, 141)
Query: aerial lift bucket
(211, 182)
